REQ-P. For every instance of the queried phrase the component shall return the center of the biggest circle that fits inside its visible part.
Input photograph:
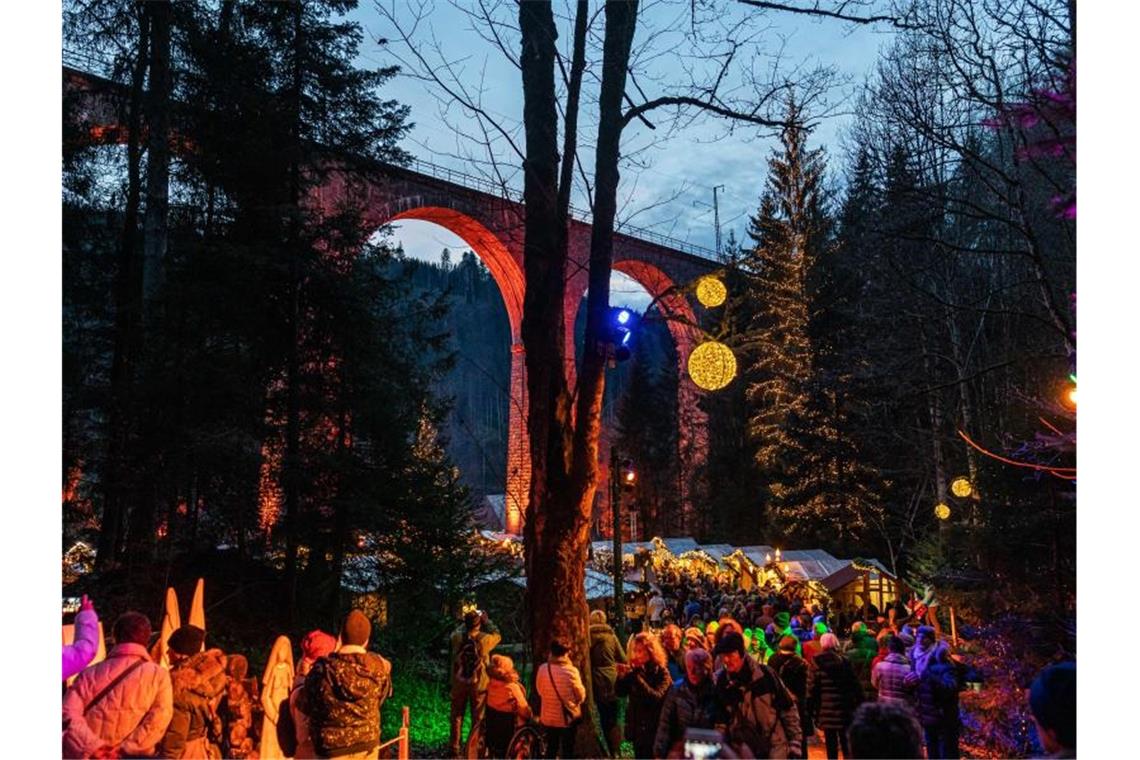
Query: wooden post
(866, 594)
(405, 744)
(953, 627)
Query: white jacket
(559, 672)
(133, 716)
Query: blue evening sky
(670, 190)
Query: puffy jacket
(833, 691)
(133, 716)
(605, 652)
(342, 696)
(685, 706)
(646, 687)
(889, 678)
(759, 710)
(508, 697)
(486, 640)
(938, 695)
(85, 645)
(196, 683)
(556, 678)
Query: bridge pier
(518, 446)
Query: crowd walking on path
(767, 690)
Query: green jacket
(605, 652)
(485, 642)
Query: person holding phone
(82, 650)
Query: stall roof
(757, 553)
(811, 564)
(598, 584)
(717, 551)
(850, 573)
(679, 546)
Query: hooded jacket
(196, 683)
(685, 706)
(938, 695)
(889, 677)
(605, 653)
(759, 710)
(833, 691)
(343, 694)
(132, 717)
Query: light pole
(619, 477)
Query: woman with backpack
(646, 681)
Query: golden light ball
(712, 365)
(711, 292)
(942, 512)
(961, 487)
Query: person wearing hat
(314, 646)
(757, 708)
(344, 692)
(689, 703)
(471, 646)
(121, 705)
(605, 654)
(833, 694)
(197, 680)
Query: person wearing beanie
(605, 654)
(197, 679)
(471, 645)
(793, 671)
(1053, 702)
(694, 638)
(783, 627)
(136, 705)
(758, 709)
(344, 693)
(314, 646)
(833, 694)
(507, 708)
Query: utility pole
(716, 218)
(615, 509)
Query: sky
(670, 190)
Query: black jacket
(938, 695)
(833, 691)
(685, 706)
(646, 688)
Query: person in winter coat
(674, 655)
(507, 707)
(471, 647)
(562, 694)
(689, 703)
(197, 680)
(314, 646)
(276, 683)
(861, 652)
(890, 674)
(645, 680)
(833, 695)
(811, 648)
(123, 704)
(605, 653)
(344, 692)
(82, 649)
(938, 688)
(236, 710)
(754, 706)
(793, 671)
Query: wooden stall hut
(862, 583)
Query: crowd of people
(763, 689)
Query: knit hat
(356, 629)
(820, 628)
(317, 644)
(782, 620)
(187, 640)
(788, 644)
(731, 642)
(694, 635)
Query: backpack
(468, 663)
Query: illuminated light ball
(1072, 397)
(712, 365)
(711, 292)
(942, 512)
(961, 487)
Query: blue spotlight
(622, 316)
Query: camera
(702, 743)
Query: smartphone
(702, 743)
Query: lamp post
(615, 509)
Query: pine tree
(795, 391)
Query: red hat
(317, 644)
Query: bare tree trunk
(157, 155)
(128, 296)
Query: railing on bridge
(101, 67)
(401, 741)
